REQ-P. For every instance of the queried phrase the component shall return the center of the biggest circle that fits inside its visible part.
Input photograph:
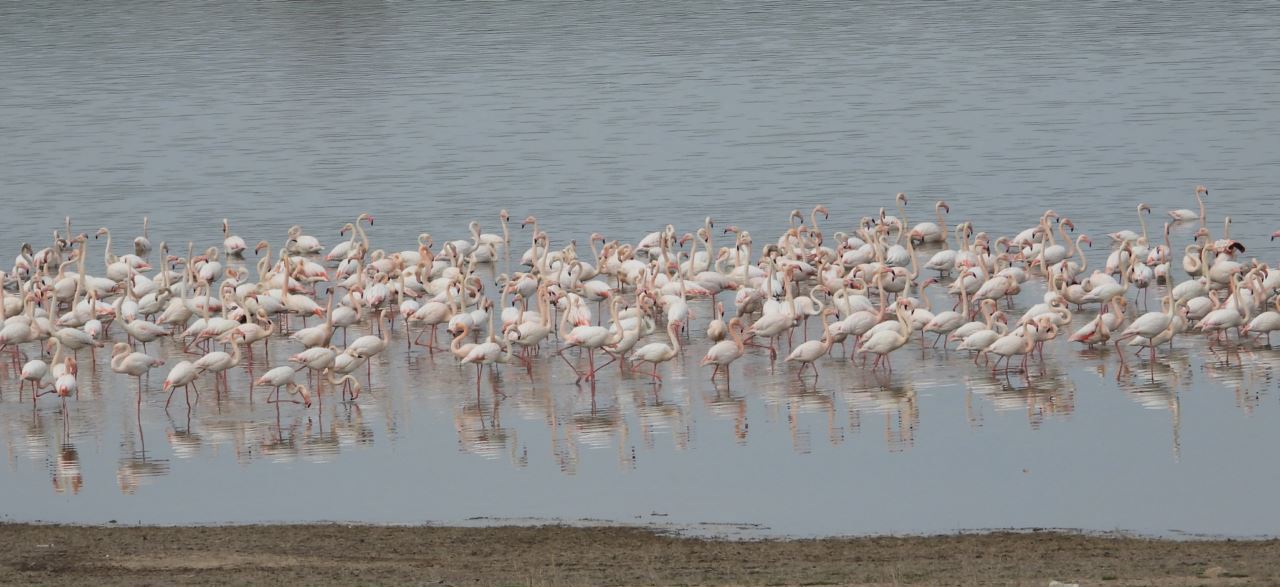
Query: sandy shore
(557, 555)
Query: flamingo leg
(566, 361)
(591, 361)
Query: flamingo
(1265, 323)
(219, 362)
(294, 389)
(1151, 324)
(808, 352)
(283, 377)
(126, 361)
(142, 244)
(34, 372)
(589, 338)
(1185, 215)
(65, 385)
(369, 345)
(302, 244)
(722, 354)
(1020, 342)
(350, 386)
(885, 342)
(232, 245)
(1222, 319)
(928, 232)
(489, 353)
(658, 352)
(181, 375)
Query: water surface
(619, 118)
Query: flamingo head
(1143, 207)
(1204, 191)
(101, 231)
(945, 206)
(823, 210)
(528, 220)
(1088, 241)
(1275, 234)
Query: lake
(619, 118)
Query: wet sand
(338, 554)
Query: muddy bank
(557, 555)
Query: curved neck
(827, 338)
(924, 297)
(106, 253)
(57, 354)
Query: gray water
(619, 118)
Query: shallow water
(619, 118)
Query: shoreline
(714, 531)
(337, 553)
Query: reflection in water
(1157, 385)
(624, 414)
(723, 404)
(136, 467)
(66, 470)
(1050, 392)
(895, 398)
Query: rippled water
(618, 118)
